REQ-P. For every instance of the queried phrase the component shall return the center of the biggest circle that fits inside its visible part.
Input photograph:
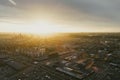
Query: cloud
(79, 13)
(12, 2)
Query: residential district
(74, 56)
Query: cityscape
(59, 39)
(66, 56)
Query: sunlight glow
(43, 28)
(39, 27)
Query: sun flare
(43, 28)
(37, 27)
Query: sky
(60, 15)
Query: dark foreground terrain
(78, 56)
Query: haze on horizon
(59, 16)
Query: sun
(38, 27)
(43, 28)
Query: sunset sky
(59, 16)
